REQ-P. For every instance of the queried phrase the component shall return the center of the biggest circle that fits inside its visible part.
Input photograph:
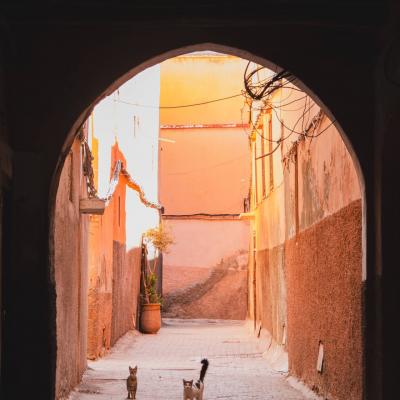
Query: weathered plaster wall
(100, 285)
(126, 290)
(271, 291)
(114, 273)
(327, 179)
(220, 292)
(70, 244)
(204, 242)
(104, 230)
(305, 270)
(202, 247)
(204, 168)
(176, 277)
(324, 296)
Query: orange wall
(203, 243)
(308, 248)
(192, 79)
(204, 171)
(204, 167)
(114, 275)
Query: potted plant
(150, 319)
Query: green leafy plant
(151, 295)
(160, 239)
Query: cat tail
(204, 367)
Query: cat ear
(135, 369)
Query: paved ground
(237, 369)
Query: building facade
(97, 248)
(204, 170)
(114, 272)
(122, 128)
(306, 247)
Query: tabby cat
(131, 383)
(195, 392)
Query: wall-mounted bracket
(92, 206)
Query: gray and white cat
(131, 383)
(195, 392)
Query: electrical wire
(179, 106)
(283, 105)
(263, 108)
(292, 130)
(262, 90)
(315, 122)
(193, 104)
(309, 136)
(270, 153)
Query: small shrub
(160, 238)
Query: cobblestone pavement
(237, 369)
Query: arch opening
(304, 195)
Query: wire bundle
(264, 88)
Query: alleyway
(237, 369)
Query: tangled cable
(265, 87)
(262, 91)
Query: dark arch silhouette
(62, 70)
(180, 51)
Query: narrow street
(237, 369)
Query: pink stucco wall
(205, 272)
(305, 270)
(203, 243)
(204, 168)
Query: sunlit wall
(131, 116)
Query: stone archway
(227, 50)
(66, 90)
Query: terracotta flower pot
(150, 319)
